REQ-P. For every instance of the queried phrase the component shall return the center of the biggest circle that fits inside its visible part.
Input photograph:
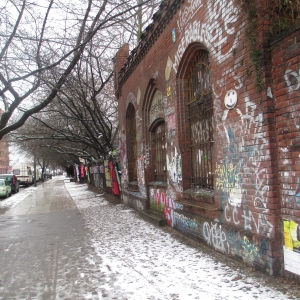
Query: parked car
(12, 181)
(48, 176)
(5, 189)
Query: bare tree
(132, 24)
(39, 153)
(41, 44)
(82, 119)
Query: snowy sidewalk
(141, 261)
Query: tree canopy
(43, 41)
(56, 72)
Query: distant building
(218, 159)
(4, 155)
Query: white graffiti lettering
(211, 33)
(261, 225)
(215, 236)
(188, 12)
(147, 157)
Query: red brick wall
(242, 218)
(286, 89)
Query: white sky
(17, 157)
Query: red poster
(113, 178)
(82, 171)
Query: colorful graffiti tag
(242, 169)
(291, 231)
(163, 202)
(226, 239)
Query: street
(60, 240)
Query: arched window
(158, 139)
(131, 143)
(200, 118)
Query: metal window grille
(200, 116)
(131, 144)
(159, 143)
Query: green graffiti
(228, 177)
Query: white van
(24, 174)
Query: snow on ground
(15, 199)
(141, 261)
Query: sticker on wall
(169, 91)
(173, 35)
(138, 97)
(261, 118)
(291, 248)
(230, 99)
(168, 68)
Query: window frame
(158, 145)
(131, 143)
(200, 120)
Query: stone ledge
(135, 194)
(200, 195)
(153, 217)
(158, 184)
(133, 186)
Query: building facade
(208, 139)
(4, 155)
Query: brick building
(201, 145)
(4, 155)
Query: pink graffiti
(167, 203)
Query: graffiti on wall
(293, 199)
(200, 132)
(225, 78)
(290, 123)
(123, 157)
(188, 12)
(171, 122)
(291, 231)
(250, 251)
(225, 239)
(174, 165)
(215, 236)
(146, 156)
(242, 169)
(164, 202)
(217, 31)
(292, 80)
(141, 170)
(229, 181)
(188, 226)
